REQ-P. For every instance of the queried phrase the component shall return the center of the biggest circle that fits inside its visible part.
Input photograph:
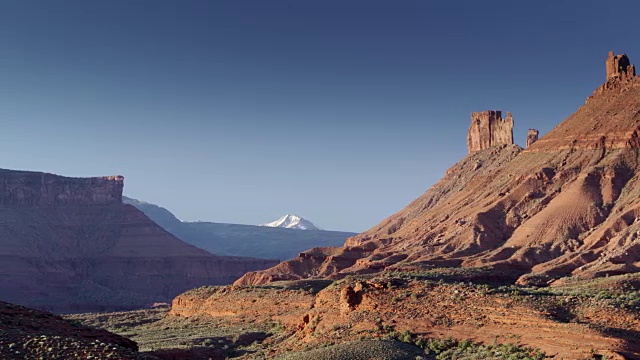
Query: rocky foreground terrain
(436, 314)
(70, 244)
(32, 334)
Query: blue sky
(241, 111)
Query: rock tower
(619, 66)
(620, 73)
(488, 128)
(532, 136)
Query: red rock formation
(488, 128)
(363, 306)
(620, 73)
(568, 206)
(41, 189)
(532, 136)
(618, 66)
(69, 244)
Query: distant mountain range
(290, 221)
(267, 241)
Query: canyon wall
(42, 189)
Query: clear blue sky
(240, 111)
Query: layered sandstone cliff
(567, 206)
(69, 244)
(488, 129)
(42, 189)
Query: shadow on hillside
(478, 276)
(632, 337)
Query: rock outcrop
(488, 129)
(70, 244)
(568, 206)
(31, 334)
(620, 73)
(618, 66)
(42, 189)
(532, 136)
(456, 303)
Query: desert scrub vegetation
(204, 291)
(312, 286)
(621, 291)
(153, 330)
(450, 348)
(418, 348)
(456, 275)
(276, 326)
(359, 350)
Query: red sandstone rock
(619, 66)
(532, 136)
(488, 128)
(42, 189)
(69, 244)
(620, 75)
(567, 206)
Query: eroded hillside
(567, 206)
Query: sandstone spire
(488, 128)
(619, 66)
(532, 136)
(620, 73)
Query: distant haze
(241, 111)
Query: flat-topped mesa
(532, 136)
(488, 129)
(42, 189)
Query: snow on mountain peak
(291, 221)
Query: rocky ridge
(42, 189)
(564, 207)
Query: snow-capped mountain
(291, 221)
